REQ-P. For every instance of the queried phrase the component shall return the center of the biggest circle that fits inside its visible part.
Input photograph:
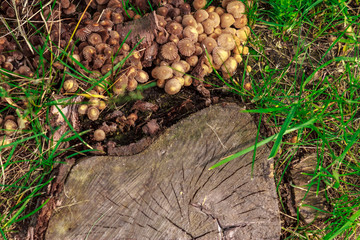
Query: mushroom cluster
(9, 126)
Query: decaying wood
(167, 191)
(141, 29)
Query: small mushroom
(120, 85)
(187, 80)
(174, 28)
(141, 76)
(10, 127)
(198, 4)
(82, 109)
(5, 140)
(160, 83)
(208, 26)
(215, 18)
(185, 9)
(201, 15)
(209, 44)
(247, 86)
(162, 11)
(70, 85)
(191, 32)
(189, 20)
(192, 61)
(236, 8)
(93, 113)
(172, 86)
(186, 47)
(227, 20)
(241, 22)
(102, 105)
(117, 18)
(220, 55)
(226, 41)
(132, 85)
(162, 72)
(178, 69)
(220, 11)
(161, 38)
(243, 33)
(88, 52)
(169, 51)
(99, 135)
(229, 67)
(94, 39)
(26, 71)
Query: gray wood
(302, 173)
(167, 191)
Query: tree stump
(167, 191)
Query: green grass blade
(282, 131)
(263, 142)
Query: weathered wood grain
(167, 191)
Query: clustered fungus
(178, 44)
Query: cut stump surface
(167, 191)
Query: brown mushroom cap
(241, 22)
(189, 20)
(243, 33)
(162, 11)
(9, 127)
(227, 20)
(187, 80)
(186, 65)
(191, 32)
(132, 85)
(99, 135)
(70, 85)
(236, 8)
(215, 17)
(226, 41)
(210, 9)
(197, 4)
(220, 55)
(202, 36)
(186, 47)
(224, 3)
(169, 51)
(162, 72)
(120, 85)
(172, 86)
(178, 69)
(26, 71)
(208, 26)
(160, 83)
(141, 76)
(88, 52)
(173, 12)
(162, 37)
(185, 9)
(220, 11)
(200, 28)
(192, 61)
(209, 44)
(201, 15)
(82, 109)
(174, 28)
(117, 18)
(173, 38)
(229, 66)
(94, 39)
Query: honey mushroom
(99, 135)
